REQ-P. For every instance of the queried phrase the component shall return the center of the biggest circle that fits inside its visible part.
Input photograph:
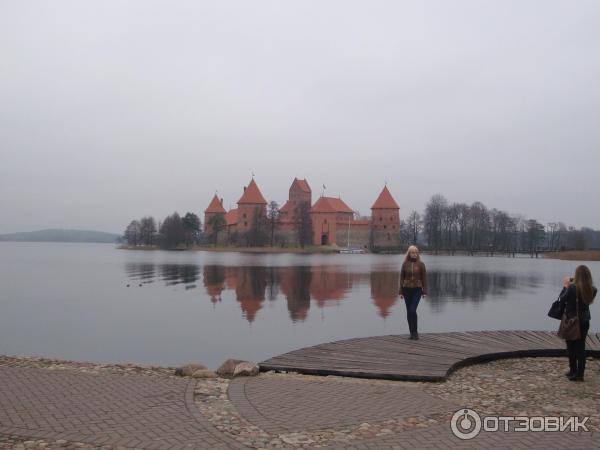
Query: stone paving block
(84, 407)
(279, 404)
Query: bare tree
(303, 224)
(257, 236)
(216, 223)
(479, 225)
(414, 227)
(132, 233)
(552, 234)
(172, 231)
(147, 230)
(535, 236)
(191, 225)
(434, 214)
(272, 219)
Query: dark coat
(568, 296)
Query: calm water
(96, 303)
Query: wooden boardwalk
(432, 358)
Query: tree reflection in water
(326, 285)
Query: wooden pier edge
(307, 360)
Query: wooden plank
(533, 341)
(475, 342)
(428, 342)
(549, 336)
(593, 341)
(396, 353)
(426, 347)
(466, 344)
(359, 363)
(409, 351)
(407, 371)
(496, 339)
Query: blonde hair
(410, 249)
(584, 284)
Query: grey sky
(110, 110)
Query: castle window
(393, 227)
(244, 215)
(245, 224)
(325, 221)
(380, 218)
(391, 218)
(384, 227)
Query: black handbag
(557, 309)
(569, 326)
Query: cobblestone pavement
(104, 410)
(358, 414)
(291, 404)
(70, 405)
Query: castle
(330, 220)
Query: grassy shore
(575, 255)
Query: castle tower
(250, 203)
(215, 207)
(326, 214)
(299, 193)
(385, 220)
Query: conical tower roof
(215, 206)
(252, 195)
(301, 185)
(385, 200)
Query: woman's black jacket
(568, 296)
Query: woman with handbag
(576, 296)
(413, 286)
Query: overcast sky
(111, 110)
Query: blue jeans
(412, 296)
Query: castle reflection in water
(321, 286)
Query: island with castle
(329, 222)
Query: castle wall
(386, 227)
(324, 224)
(359, 235)
(246, 214)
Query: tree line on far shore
(442, 227)
(174, 231)
(451, 227)
(183, 232)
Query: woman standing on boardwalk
(413, 285)
(577, 295)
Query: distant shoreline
(62, 236)
(573, 255)
(255, 250)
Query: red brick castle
(331, 220)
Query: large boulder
(204, 373)
(245, 369)
(227, 368)
(188, 370)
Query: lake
(93, 302)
